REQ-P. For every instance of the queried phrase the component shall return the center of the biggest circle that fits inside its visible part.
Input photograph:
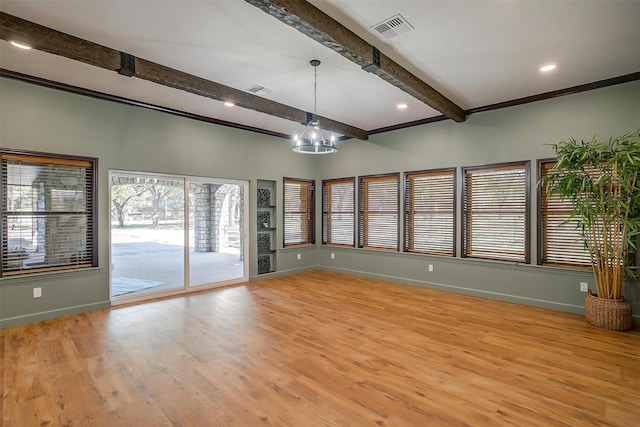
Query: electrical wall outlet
(333, 256)
(37, 292)
(430, 267)
(299, 256)
(584, 287)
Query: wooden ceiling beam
(176, 79)
(319, 26)
(55, 42)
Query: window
(559, 242)
(298, 212)
(496, 211)
(430, 208)
(338, 212)
(378, 212)
(48, 213)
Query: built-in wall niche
(266, 225)
(265, 263)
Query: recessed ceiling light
(401, 106)
(21, 45)
(229, 104)
(547, 68)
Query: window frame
(541, 200)
(407, 216)
(523, 164)
(91, 204)
(363, 214)
(327, 212)
(310, 222)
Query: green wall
(510, 134)
(130, 138)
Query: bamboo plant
(600, 179)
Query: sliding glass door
(215, 232)
(171, 233)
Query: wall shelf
(266, 225)
(266, 252)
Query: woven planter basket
(611, 314)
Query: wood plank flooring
(319, 349)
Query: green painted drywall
(510, 134)
(515, 133)
(129, 138)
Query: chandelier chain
(315, 90)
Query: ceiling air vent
(392, 27)
(259, 90)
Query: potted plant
(600, 179)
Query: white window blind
(379, 212)
(560, 242)
(496, 211)
(338, 212)
(48, 213)
(430, 212)
(298, 212)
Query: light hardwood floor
(319, 349)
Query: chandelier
(312, 140)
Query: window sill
(300, 246)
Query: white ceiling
(475, 53)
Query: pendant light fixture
(312, 140)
